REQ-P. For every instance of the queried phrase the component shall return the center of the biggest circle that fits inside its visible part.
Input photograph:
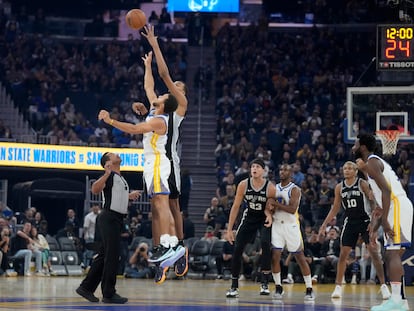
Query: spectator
(165, 17)
(138, 266)
(40, 244)
(211, 213)
(186, 185)
(24, 249)
(189, 229)
(89, 225)
(4, 249)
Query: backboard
(379, 108)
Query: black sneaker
(278, 292)
(161, 253)
(264, 289)
(181, 266)
(115, 299)
(309, 296)
(86, 294)
(160, 274)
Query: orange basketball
(136, 19)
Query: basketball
(136, 19)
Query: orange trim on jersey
(157, 174)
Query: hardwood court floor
(57, 293)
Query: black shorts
(174, 193)
(352, 230)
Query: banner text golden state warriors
(66, 157)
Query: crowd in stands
(37, 70)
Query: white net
(389, 140)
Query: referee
(109, 223)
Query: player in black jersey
(354, 195)
(254, 191)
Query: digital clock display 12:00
(395, 47)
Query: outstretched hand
(149, 34)
(139, 108)
(147, 58)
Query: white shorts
(287, 235)
(400, 218)
(156, 172)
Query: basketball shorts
(351, 231)
(287, 235)
(400, 218)
(156, 173)
(174, 181)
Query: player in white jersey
(179, 90)
(156, 172)
(395, 214)
(286, 231)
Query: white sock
(276, 278)
(165, 240)
(290, 276)
(396, 291)
(173, 241)
(308, 281)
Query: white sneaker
(337, 293)
(354, 279)
(405, 304)
(264, 289)
(242, 278)
(288, 280)
(385, 292)
(232, 293)
(391, 305)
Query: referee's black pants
(105, 264)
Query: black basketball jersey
(255, 201)
(354, 201)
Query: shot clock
(395, 47)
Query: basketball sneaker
(385, 292)
(309, 296)
(389, 305)
(337, 293)
(278, 292)
(181, 266)
(160, 253)
(232, 293)
(264, 289)
(176, 254)
(160, 274)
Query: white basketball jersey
(392, 180)
(154, 144)
(283, 195)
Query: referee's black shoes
(86, 294)
(115, 299)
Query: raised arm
(149, 84)
(163, 70)
(156, 125)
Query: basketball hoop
(389, 140)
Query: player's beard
(357, 154)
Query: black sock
(403, 287)
(234, 282)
